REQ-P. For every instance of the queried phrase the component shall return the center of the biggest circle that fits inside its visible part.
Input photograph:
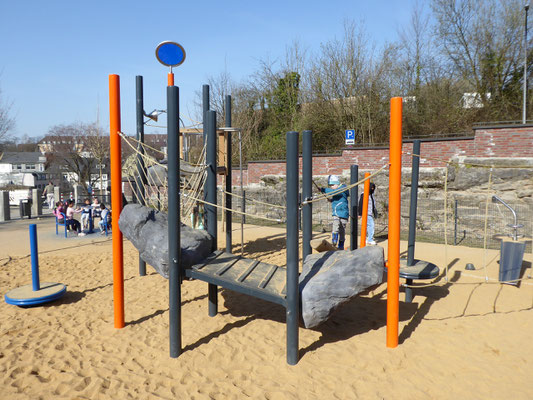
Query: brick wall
(495, 141)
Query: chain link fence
(463, 222)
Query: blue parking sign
(349, 135)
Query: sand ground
(461, 339)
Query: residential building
(26, 169)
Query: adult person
(372, 213)
(49, 192)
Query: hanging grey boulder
(332, 278)
(147, 230)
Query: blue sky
(56, 56)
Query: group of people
(88, 211)
(341, 212)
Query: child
(71, 221)
(372, 213)
(58, 210)
(86, 214)
(104, 218)
(339, 209)
(96, 207)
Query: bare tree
(7, 122)
(482, 41)
(472, 46)
(97, 144)
(68, 149)
(349, 89)
(220, 86)
(415, 49)
(265, 105)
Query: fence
(465, 218)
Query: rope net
(146, 171)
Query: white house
(23, 169)
(473, 100)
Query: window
(17, 166)
(30, 166)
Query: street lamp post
(524, 105)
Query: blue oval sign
(170, 54)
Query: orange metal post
(364, 214)
(116, 199)
(395, 180)
(170, 79)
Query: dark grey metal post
(455, 223)
(205, 107)
(412, 216)
(413, 203)
(293, 296)
(354, 204)
(299, 212)
(524, 88)
(211, 197)
(174, 241)
(228, 176)
(140, 180)
(307, 192)
(243, 208)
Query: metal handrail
(515, 226)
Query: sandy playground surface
(464, 339)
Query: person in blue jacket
(339, 210)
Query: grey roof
(11, 157)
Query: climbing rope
(154, 179)
(254, 201)
(488, 196)
(343, 189)
(235, 211)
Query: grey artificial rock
(332, 278)
(466, 178)
(272, 180)
(156, 174)
(147, 230)
(524, 191)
